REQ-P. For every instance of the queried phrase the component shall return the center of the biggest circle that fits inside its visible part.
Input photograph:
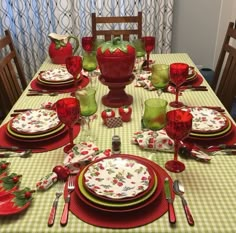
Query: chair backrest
(117, 26)
(12, 78)
(224, 82)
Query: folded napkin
(158, 140)
(85, 152)
(80, 155)
(143, 80)
(48, 105)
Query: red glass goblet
(68, 112)
(178, 127)
(87, 43)
(74, 67)
(149, 45)
(178, 75)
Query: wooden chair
(132, 26)
(12, 78)
(224, 81)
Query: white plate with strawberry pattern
(118, 178)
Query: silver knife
(171, 211)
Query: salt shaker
(116, 144)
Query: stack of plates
(208, 123)
(35, 125)
(118, 184)
(56, 77)
(192, 75)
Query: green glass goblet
(140, 53)
(154, 117)
(88, 107)
(89, 64)
(160, 77)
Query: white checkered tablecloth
(210, 189)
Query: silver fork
(70, 187)
(52, 214)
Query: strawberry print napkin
(80, 155)
(84, 153)
(143, 80)
(148, 139)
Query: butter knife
(171, 211)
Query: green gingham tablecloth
(210, 189)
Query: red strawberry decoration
(125, 113)
(116, 60)
(62, 172)
(107, 113)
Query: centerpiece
(116, 59)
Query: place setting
(58, 80)
(207, 128)
(161, 78)
(108, 188)
(38, 130)
(119, 187)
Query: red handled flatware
(70, 187)
(53, 210)
(179, 190)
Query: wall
(227, 14)
(195, 29)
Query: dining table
(209, 186)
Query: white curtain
(30, 22)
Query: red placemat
(123, 220)
(69, 88)
(46, 145)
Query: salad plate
(56, 75)
(118, 178)
(207, 121)
(36, 121)
(206, 137)
(62, 83)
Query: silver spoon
(179, 190)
